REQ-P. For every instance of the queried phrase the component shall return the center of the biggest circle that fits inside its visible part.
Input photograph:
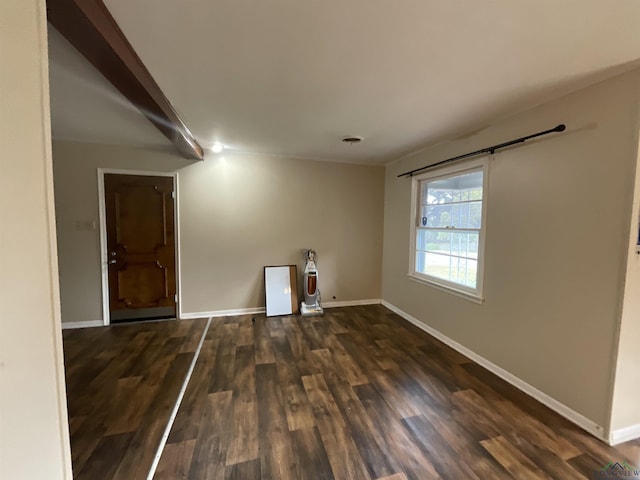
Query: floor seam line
(176, 406)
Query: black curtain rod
(560, 128)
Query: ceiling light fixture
(351, 139)
(217, 148)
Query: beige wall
(34, 441)
(557, 230)
(238, 212)
(626, 400)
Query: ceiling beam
(90, 28)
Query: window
(448, 228)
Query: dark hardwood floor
(357, 394)
(122, 383)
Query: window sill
(445, 288)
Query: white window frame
(474, 295)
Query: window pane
(460, 188)
(471, 271)
(457, 215)
(434, 241)
(435, 265)
(420, 262)
(439, 266)
(458, 270)
(437, 216)
(475, 214)
(464, 244)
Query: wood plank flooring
(122, 383)
(358, 394)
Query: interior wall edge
(34, 427)
(624, 386)
(56, 325)
(623, 435)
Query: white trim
(104, 266)
(558, 407)
(247, 311)
(53, 280)
(104, 271)
(87, 324)
(176, 406)
(150, 173)
(624, 435)
(176, 232)
(352, 303)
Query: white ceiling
(292, 77)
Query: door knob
(111, 262)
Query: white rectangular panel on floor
(278, 281)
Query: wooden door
(140, 246)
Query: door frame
(104, 265)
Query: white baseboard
(624, 435)
(249, 311)
(352, 303)
(558, 407)
(87, 324)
